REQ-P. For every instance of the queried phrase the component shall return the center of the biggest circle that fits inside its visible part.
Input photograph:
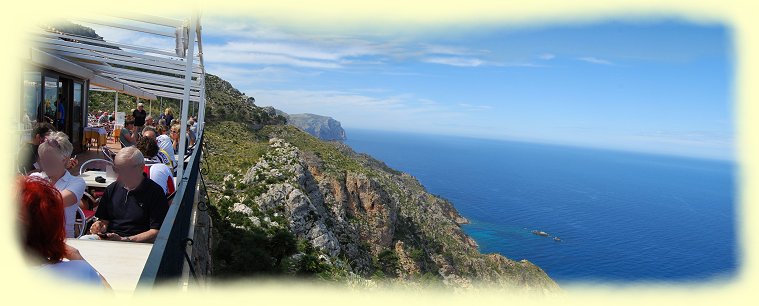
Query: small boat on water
(557, 239)
(540, 233)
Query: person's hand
(72, 253)
(98, 227)
(71, 163)
(115, 237)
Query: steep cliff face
(365, 219)
(322, 127)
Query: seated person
(166, 144)
(28, 157)
(175, 132)
(191, 135)
(160, 156)
(43, 235)
(127, 137)
(133, 207)
(193, 125)
(155, 168)
(54, 158)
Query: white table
(89, 179)
(120, 263)
(97, 129)
(95, 133)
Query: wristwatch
(129, 239)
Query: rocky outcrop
(322, 127)
(365, 219)
(305, 220)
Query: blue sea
(621, 216)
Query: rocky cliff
(287, 203)
(322, 127)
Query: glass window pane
(60, 115)
(76, 115)
(50, 99)
(32, 97)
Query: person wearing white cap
(139, 118)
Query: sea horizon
(731, 160)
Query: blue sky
(659, 86)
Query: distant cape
(322, 127)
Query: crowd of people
(166, 125)
(131, 209)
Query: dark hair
(148, 146)
(42, 129)
(129, 122)
(149, 128)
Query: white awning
(126, 67)
(143, 71)
(50, 61)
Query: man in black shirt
(133, 207)
(139, 117)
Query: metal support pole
(202, 107)
(186, 101)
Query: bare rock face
(360, 217)
(322, 127)
(407, 266)
(306, 221)
(366, 199)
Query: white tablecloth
(99, 130)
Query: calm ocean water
(621, 216)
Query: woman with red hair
(43, 234)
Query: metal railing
(166, 259)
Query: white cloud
(435, 49)
(254, 43)
(219, 54)
(400, 111)
(547, 56)
(303, 53)
(595, 60)
(241, 76)
(455, 61)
